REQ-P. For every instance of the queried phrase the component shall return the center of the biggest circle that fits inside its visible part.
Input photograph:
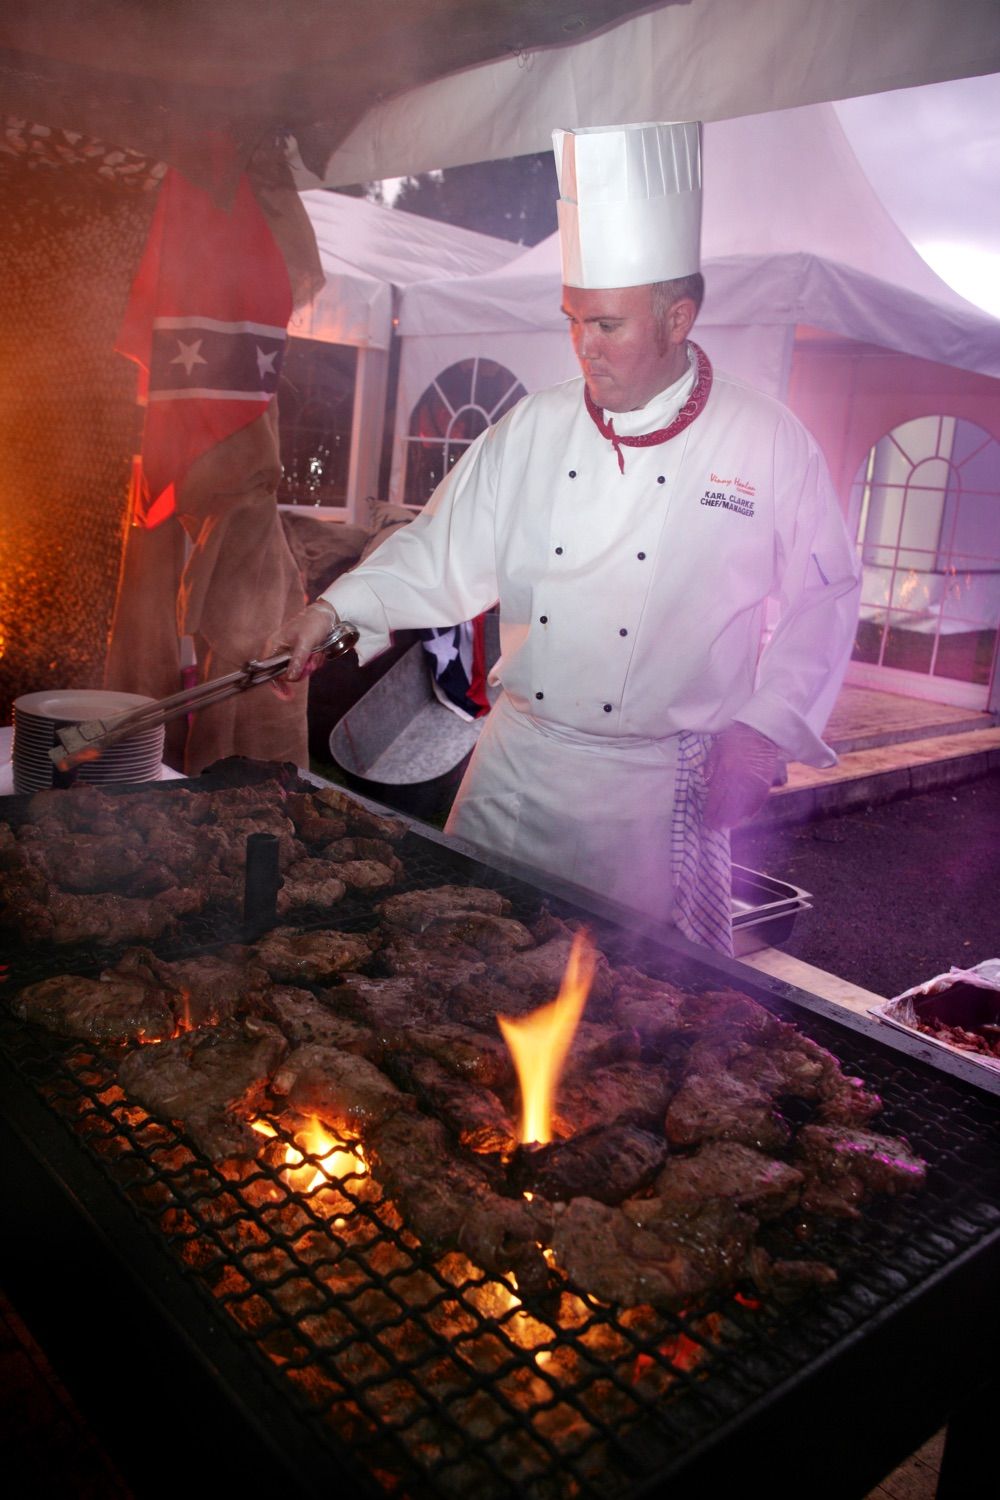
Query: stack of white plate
(37, 716)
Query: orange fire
(324, 1158)
(539, 1042)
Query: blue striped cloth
(699, 856)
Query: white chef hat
(629, 203)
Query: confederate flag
(206, 324)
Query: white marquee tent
(793, 234)
(369, 254)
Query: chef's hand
(740, 770)
(302, 636)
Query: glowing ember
(336, 1158)
(539, 1042)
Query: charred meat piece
(304, 1019)
(645, 1252)
(329, 804)
(845, 1166)
(210, 988)
(473, 1113)
(83, 863)
(78, 809)
(478, 1001)
(415, 911)
(652, 1007)
(440, 969)
(467, 1054)
(345, 1091)
(788, 1063)
(208, 1081)
(632, 1092)
(379, 850)
(290, 954)
(310, 882)
(785, 1280)
(731, 1017)
(364, 874)
(449, 1205)
(734, 1172)
(539, 972)
(717, 1106)
(388, 1006)
(237, 830)
(607, 1164)
(108, 1010)
(594, 1044)
(62, 918)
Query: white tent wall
(368, 254)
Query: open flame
(324, 1158)
(539, 1042)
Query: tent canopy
(367, 252)
(406, 85)
(792, 233)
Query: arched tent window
(927, 498)
(316, 406)
(462, 402)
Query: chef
(633, 525)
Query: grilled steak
(635, 1093)
(346, 1091)
(843, 1167)
(607, 1164)
(109, 1010)
(310, 882)
(304, 1019)
(416, 910)
(539, 972)
(648, 1252)
(62, 919)
(449, 1203)
(734, 1172)
(716, 1106)
(473, 1113)
(290, 954)
(208, 1081)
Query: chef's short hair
(666, 293)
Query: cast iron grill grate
(431, 1374)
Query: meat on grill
(345, 1091)
(715, 1105)
(607, 1164)
(290, 954)
(636, 1093)
(205, 990)
(208, 1081)
(310, 882)
(388, 1006)
(108, 918)
(449, 1204)
(845, 1166)
(414, 911)
(302, 1018)
(653, 1008)
(107, 1009)
(329, 805)
(473, 1113)
(649, 1252)
(539, 971)
(352, 848)
(729, 1170)
(467, 1054)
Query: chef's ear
(680, 318)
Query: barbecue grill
(306, 1330)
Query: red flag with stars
(206, 324)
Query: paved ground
(901, 890)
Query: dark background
(901, 891)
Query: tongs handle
(80, 742)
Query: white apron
(592, 810)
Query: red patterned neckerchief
(693, 407)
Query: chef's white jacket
(633, 604)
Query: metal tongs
(82, 742)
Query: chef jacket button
(572, 473)
(623, 631)
(607, 708)
(661, 479)
(641, 556)
(558, 552)
(543, 619)
(539, 695)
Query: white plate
(77, 705)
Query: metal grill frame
(939, 1323)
